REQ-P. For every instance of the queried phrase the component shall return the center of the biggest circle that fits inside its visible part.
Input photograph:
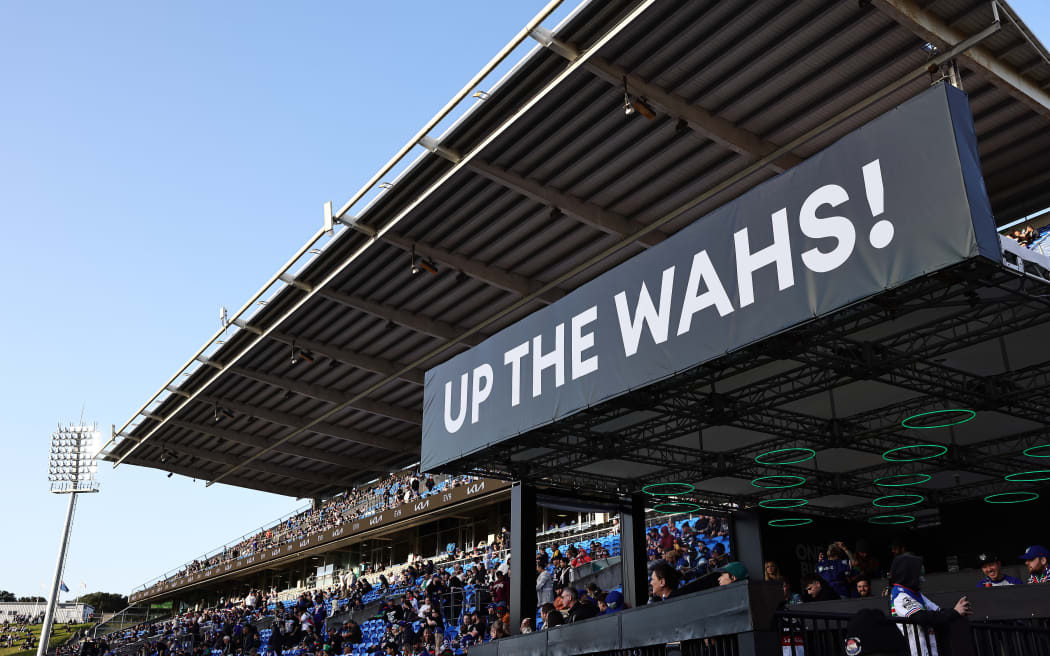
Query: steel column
(522, 554)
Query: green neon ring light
(810, 455)
(890, 520)
(791, 503)
(1034, 448)
(693, 506)
(645, 489)
(877, 503)
(1013, 478)
(1029, 496)
(889, 478)
(971, 417)
(943, 449)
(801, 481)
(788, 522)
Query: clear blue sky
(158, 160)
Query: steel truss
(973, 304)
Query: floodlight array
(71, 461)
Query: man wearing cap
(731, 573)
(613, 602)
(1035, 558)
(993, 572)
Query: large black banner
(896, 199)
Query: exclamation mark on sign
(882, 232)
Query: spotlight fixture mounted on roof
(299, 355)
(220, 412)
(632, 104)
(421, 264)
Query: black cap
(987, 557)
(871, 632)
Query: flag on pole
(63, 587)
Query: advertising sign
(894, 200)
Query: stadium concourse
(747, 264)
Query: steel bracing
(926, 347)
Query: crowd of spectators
(400, 487)
(441, 605)
(14, 632)
(1026, 236)
(444, 605)
(842, 573)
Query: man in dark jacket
(817, 589)
(926, 617)
(576, 610)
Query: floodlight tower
(71, 470)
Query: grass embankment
(60, 633)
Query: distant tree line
(102, 602)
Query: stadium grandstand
(745, 303)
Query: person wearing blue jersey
(927, 619)
(836, 570)
(993, 572)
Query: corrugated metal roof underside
(773, 68)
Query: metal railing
(824, 634)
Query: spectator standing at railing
(1035, 558)
(836, 570)
(544, 582)
(907, 600)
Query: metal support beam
(289, 279)
(177, 391)
(522, 554)
(593, 215)
(715, 128)
(258, 465)
(239, 481)
(322, 393)
(545, 38)
(747, 541)
(310, 453)
(404, 318)
(979, 59)
(244, 325)
(511, 282)
(324, 428)
(352, 358)
(633, 553)
(434, 146)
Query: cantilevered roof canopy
(543, 186)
